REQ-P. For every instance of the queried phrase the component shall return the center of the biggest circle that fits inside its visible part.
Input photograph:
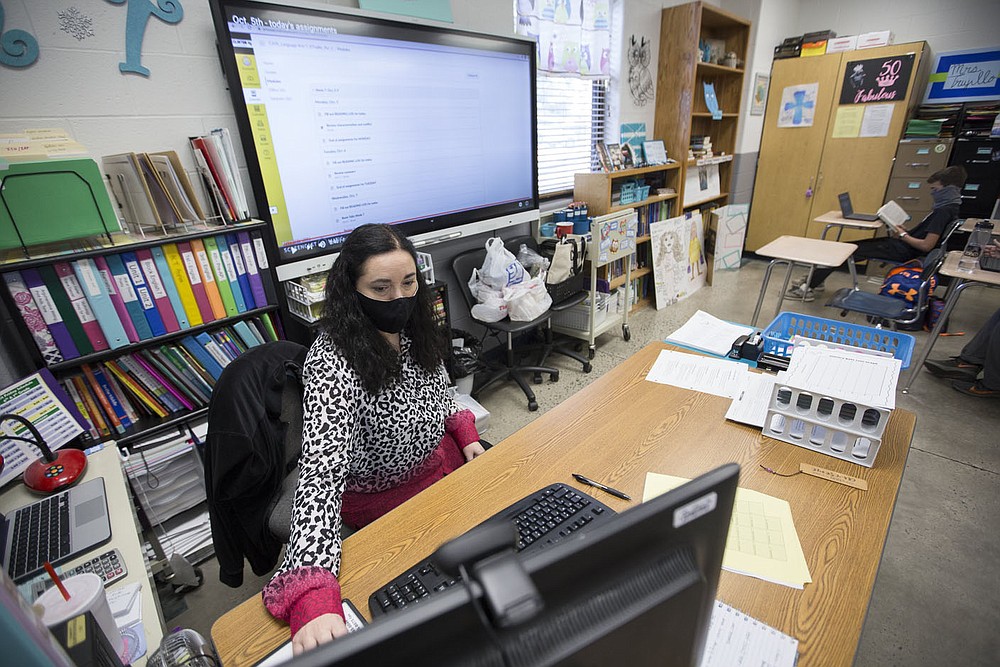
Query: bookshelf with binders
(138, 332)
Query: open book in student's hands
(893, 215)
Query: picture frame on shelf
(761, 83)
(615, 154)
(655, 152)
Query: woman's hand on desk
(472, 450)
(320, 630)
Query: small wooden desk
(836, 219)
(792, 250)
(124, 536)
(616, 430)
(963, 280)
(970, 223)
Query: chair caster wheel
(555, 377)
(537, 378)
(587, 368)
(590, 353)
(626, 333)
(532, 406)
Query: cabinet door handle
(907, 198)
(918, 164)
(977, 162)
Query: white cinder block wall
(76, 84)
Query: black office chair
(463, 264)
(881, 308)
(552, 344)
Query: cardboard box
(841, 44)
(870, 40)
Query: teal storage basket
(779, 333)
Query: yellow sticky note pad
(762, 540)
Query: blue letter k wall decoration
(139, 11)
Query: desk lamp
(53, 471)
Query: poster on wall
(798, 105)
(964, 76)
(876, 80)
(679, 266)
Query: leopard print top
(356, 441)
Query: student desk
(836, 219)
(124, 536)
(962, 281)
(616, 430)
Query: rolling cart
(612, 239)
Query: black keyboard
(41, 533)
(542, 519)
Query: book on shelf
(80, 305)
(145, 297)
(33, 318)
(208, 279)
(53, 287)
(205, 312)
(216, 162)
(232, 276)
(126, 290)
(253, 273)
(242, 275)
(103, 401)
(185, 291)
(117, 301)
(169, 282)
(221, 279)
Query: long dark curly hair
(365, 349)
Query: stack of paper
(845, 374)
(216, 158)
(152, 191)
(708, 333)
(737, 639)
(705, 374)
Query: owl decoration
(640, 80)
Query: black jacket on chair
(245, 460)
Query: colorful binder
(157, 290)
(253, 273)
(65, 308)
(183, 283)
(221, 279)
(95, 290)
(196, 282)
(242, 277)
(246, 334)
(208, 279)
(170, 284)
(117, 300)
(142, 291)
(33, 318)
(51, 314)
(78, 301)
(126, 290)
(207, 361)
(231, 275)
(260, 254)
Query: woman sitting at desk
(379, 423)
(902, 246)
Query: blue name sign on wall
(965, 76)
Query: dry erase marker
(597, 485)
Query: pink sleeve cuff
(462, 427)
(300, 595)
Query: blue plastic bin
(779, 333)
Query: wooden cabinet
(682, 112)
(138, 330)
(916, 159)
(602, 191)
(802, 168)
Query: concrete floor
(936, 595)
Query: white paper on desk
(125, 603)
(735, 639)
(847, 375)
(705, 374)
(706, 332)
(750, 406)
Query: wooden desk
(963, 280)
(616, 430)
(124, 536)
(836, 219)
(792, 250)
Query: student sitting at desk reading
(901, 245)
(379, 423)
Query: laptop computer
(54, 529)
(847, 210)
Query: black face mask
(388, 316)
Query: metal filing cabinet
(916, 159)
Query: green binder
(54, 200)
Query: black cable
(481, 613)
(152, 481)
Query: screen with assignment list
(355, 122)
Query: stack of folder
(216, 159)
(152, 191)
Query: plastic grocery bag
(500, 268)
(491, 307)
(527, 300)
